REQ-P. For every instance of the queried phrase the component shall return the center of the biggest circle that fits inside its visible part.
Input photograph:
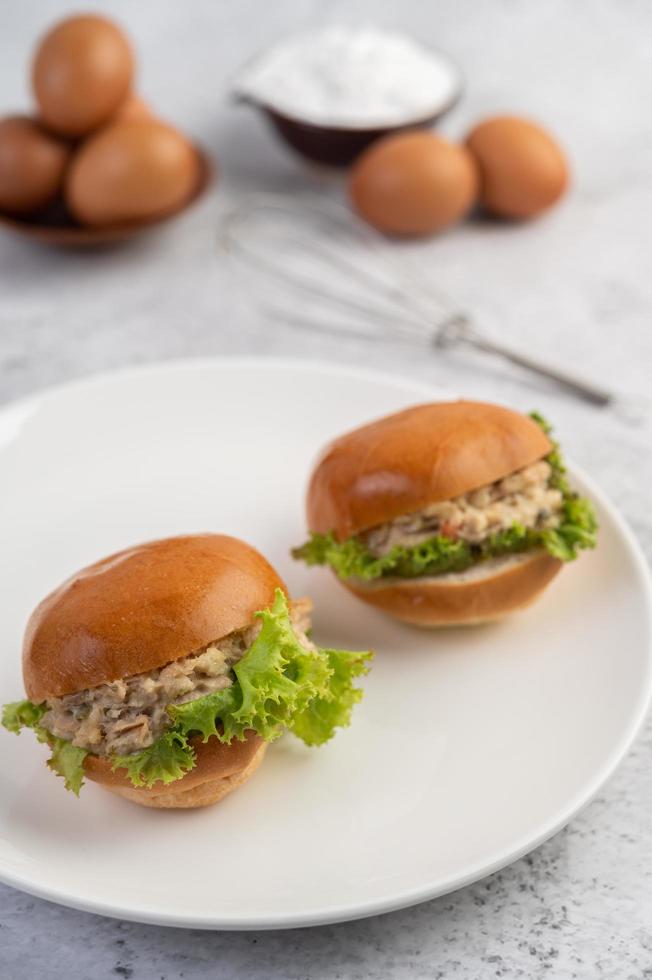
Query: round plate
(470, 747)
(69, 234)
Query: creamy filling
(524, 497)
(127, 715)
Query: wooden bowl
(338, 146)
(57, 227)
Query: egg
(82, 72)
(133, 107)
(523, 171)
(413, 183)
(32, 165)
(131, 171)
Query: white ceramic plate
(470, 748)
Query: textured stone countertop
(574, 287)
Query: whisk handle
(585, 389)
(457, 330)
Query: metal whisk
(320, 268)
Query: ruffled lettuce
(278, 684)
(317, 721)
(66, 760)
(275, 680)
(579, 524)
(168, 759)
(441, 555)
(352, 559)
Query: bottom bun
(219, 769)
(205, 794)
(482, 594)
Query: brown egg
(522, 170)
(133, 107)
(82, 72)
(32, 165)
(413, 183)
(131, 171)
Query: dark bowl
(57, 227)
(338, 146)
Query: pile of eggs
(92, 144)
(417, 183)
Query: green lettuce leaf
(316, 723)
(169, 758)
(579, 524)
(66, 760)
(276, 684)
(441, 555)
(576, 531)
(276, 678)
(351, 559)
(22, 714)
(275, 681)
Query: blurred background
(573, 284)
(572, 287)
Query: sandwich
(164, 671)
(446, 514)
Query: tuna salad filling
(128, 715)
(533, 508)
(524, 498)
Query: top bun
(423, 455)
(142, 608)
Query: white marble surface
(575, 287)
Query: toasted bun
(142, 608)
(420, 456)
(482, 594)
(219, 770)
